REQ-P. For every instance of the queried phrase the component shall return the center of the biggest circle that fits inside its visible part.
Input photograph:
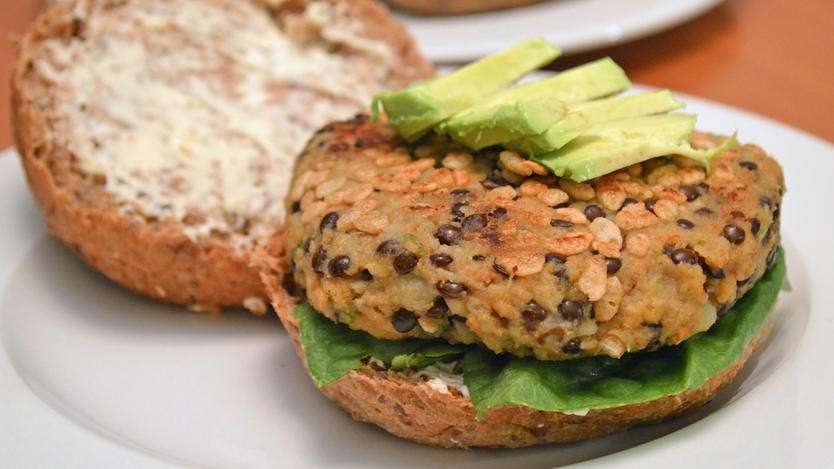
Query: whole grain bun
(197, 259)
(457, 7)
(408, 407)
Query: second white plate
(573, 25)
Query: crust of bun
(409, 408)
(153, 258)
(457, 7)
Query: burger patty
(430, 240)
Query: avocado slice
(607, 147)
(415, 110)
(533, 108)
(583, 115)
(503, 119)
(592, 80)
(674, 127)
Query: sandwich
(481, 263)
(158, 136)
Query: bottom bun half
(407, 407)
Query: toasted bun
(409, 408)
(457, 7)
(150, 255)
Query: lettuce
(332, 350)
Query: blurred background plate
(574, 25)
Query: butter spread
(442, 376)
(194, 110)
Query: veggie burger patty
(428, 241)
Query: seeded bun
(188, 259)
(457, 7)
(408, 407)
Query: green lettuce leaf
(568, 386)
(332, 350)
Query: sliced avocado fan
(415, 110)
(571, 122)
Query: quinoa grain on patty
(434, 241)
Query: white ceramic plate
(573, 25)
(93, 376)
